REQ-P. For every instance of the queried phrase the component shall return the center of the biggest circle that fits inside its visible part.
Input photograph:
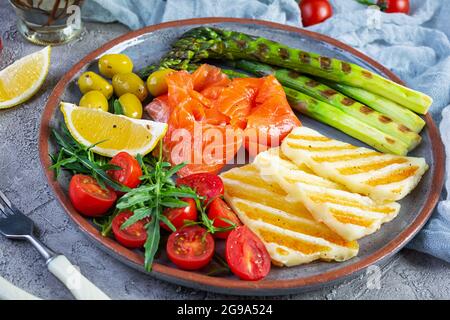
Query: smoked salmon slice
(271, 119)
(159, 109)
(210, 117)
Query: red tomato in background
(247, 255)
(394, 6)
(133, 236)
(207, 185)
(190, 248)
(131, 170)
(178, 216)
(88, 197)
(219, 209)
(315, 11)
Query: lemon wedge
(21, 80)
(115, 133)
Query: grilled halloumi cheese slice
(382, 177)
(349, 214)
(291, 235)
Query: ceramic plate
(146, 46)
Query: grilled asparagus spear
(204, 42)
(383, 105)
(338, 119)
(326, 94)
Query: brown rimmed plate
(146, 46)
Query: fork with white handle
(15, 225)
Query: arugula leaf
(138, 215)
(105, 223)
(118, 109)
(156, 193)
(80, 159)
(173, 203)
(168, 223)
(152, 243)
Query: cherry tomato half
(394, 6)
(217, 210)
(133, 236)
(178, 216)
(131, 170)
(315, 11)
(205, 184)
(190, 247)
(88, 197)
(246, 254)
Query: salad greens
(148, 201)
(77, 158)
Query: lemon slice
(21, 80)
(115, 132)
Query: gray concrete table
(409, 275)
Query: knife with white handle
(8, 291)
(70, 276)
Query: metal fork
(17, 226)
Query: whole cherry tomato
(88, 197)
(315, 11)
(130, 171)
(394, 6)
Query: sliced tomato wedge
(205, 185)
(131, 237)
(246, 255)
(88, 197)
(130, 171)
(179, 216)
(220, 212)
(190, 247)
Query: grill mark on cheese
(321, 198)
(269, 199)
(317, 231)
(308, 138)
(320, 148)
(345, 157)
(348, 218)
(255, 181)
(282, 252)
(392, 177)
(370, 166)
(291, 242)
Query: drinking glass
(48, 22)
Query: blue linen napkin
(139, 13)
(416, 47)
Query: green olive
(129, 83)
(94, 99)
(156, 82)
(112, 64)
(131, 105)
(89, 81)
